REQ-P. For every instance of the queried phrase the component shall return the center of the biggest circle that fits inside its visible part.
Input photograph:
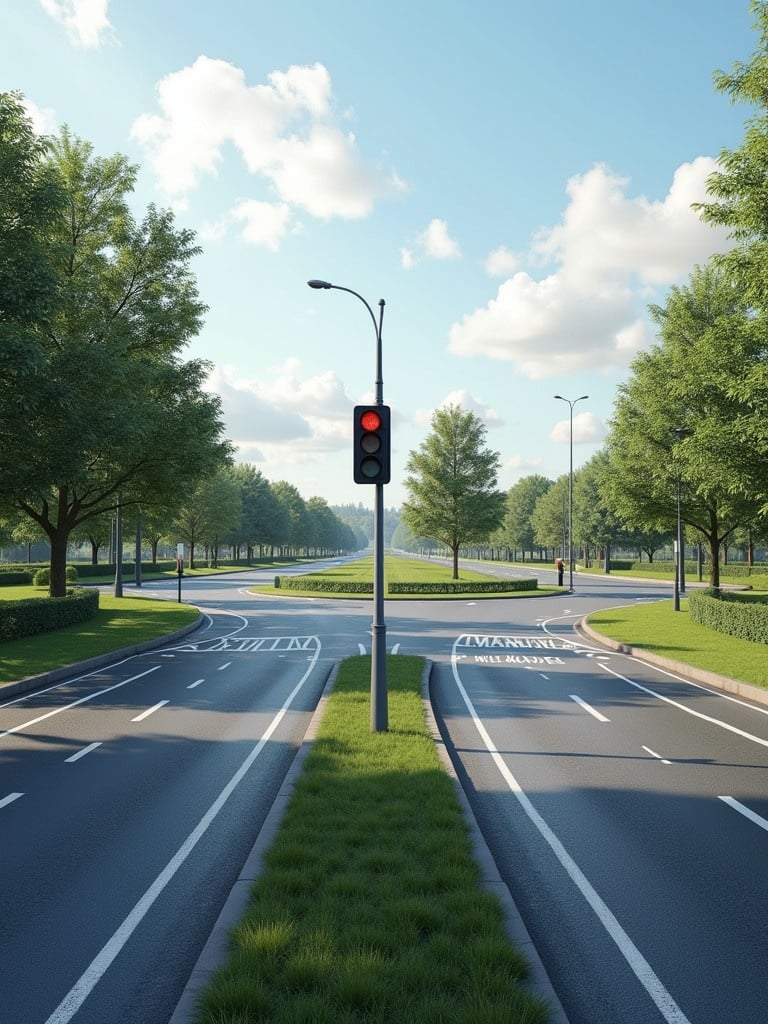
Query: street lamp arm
(340, 288)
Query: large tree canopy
(452, 483)
(112, 414)
(679, 419)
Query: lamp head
(319, 284)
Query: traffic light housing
(371, 444)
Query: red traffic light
(371, 444)
(370, 420)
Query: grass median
(369, 907)
(658, 628)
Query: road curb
(90, 664)
(735, 686)
(490, 879)
(216, 949)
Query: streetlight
(379, 715)
(571, 403)
(678, 433)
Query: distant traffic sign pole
(379, 712)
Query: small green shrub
(11, 577)
(43, 576)
(463, 587)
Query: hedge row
(320, 583)
(463, 587)
(727, 613)
(39, 614)
(12, 577)
(731, 569)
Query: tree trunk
(58, 584)
(455, 550)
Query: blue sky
(513, 178)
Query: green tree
(688, 382)
(594, 522)
(294, 523)
(518, 531)
(115, 414)
(452, 481)
(550, 516)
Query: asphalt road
(626, 808)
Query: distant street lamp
(571, 403)
(379, 712)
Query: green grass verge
(659, 628)
(369, 907)
(121, 622)
(400, 570)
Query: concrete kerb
(746, 690)
(491, 881)
(90, 664)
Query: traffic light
(371, 444)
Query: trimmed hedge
(319, 583)
(310, 582)
(728, 613)
(33, 615)
(13, 577)
(464, 587)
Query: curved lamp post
(379, 713)
(571, 403)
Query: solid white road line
(587, 707)
(657, 756)
(755, 818)
(642, 970)
(81, 753)
(149, 711)
(76, 703)
(82, 988)
(4, 801)
(690, 711)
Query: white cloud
(501, 261)
(86, 21)
(434, 242)
(587, 429)
(43, 118)
(285, 131)
(263, 224)
(468, 402)
(270, 417)
(609, 251)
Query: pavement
(216, 949)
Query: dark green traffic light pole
(379, 713)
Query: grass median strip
(369, 907)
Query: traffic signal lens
(371, 444)
(370, 468)
(370, 420)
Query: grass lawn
(369, 907)
(659, 628)
(399, 570)
(120, 622)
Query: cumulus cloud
(86, 21)
(501, 261)
(434, 243)
(285, 131)
(587, 429)
(467, 401)
(261, 224)
(43, 118)
(608, 253)
(269, 416)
